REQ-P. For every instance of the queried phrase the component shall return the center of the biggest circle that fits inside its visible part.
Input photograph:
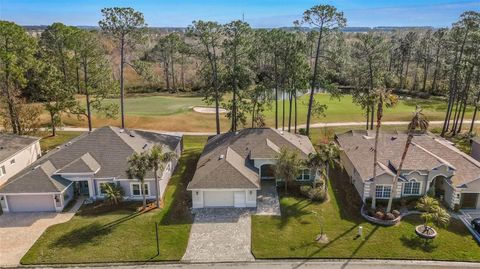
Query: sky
(258, 13)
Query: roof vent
(122, 130)
(68, 144)
(236, 132)
(37, 166)
(281, 132)
(393, 138)
(144, 146)
(221, 157)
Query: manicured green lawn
(292, 235)
(121, 234)
(158, 105)
(49, 142)
(338, 109)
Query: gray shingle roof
(226, 159)
(36, 180)
(11, 144)
(426, 152)
(84, 164)
(104, 151)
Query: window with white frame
(2, 170)
(383, 191)
(304, 175)
(411, 188)
(136, 191)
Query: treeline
(256, 67)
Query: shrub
(317, 194)
(379, 215)
(314, 194)
(305, 190)
(389, 216)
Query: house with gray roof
(432, 165)
(16, 153)
(82, 166)
(233, 165)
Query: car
(476, 224)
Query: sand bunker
(208, 110)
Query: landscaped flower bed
(380, 217)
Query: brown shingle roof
(226, 159)
(426, 152)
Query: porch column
(91, 188)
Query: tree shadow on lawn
(295, 210)
(347, 198)
(90, 233)
(416, 243)
(179, 212)
(352, 255)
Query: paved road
(298, 264)
(315, 125)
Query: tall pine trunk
(122, 62)
(314, 80)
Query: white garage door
(30, 203)
(240, 199)
(218, 198)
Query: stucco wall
(22, 159)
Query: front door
(82, 187)
(469, 200)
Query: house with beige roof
(82, 166)
(233, 165)
(432, 165)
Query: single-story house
(232, 166)
(476, 148)
(16, 153)
(82, 166)
(433, 165)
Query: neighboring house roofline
(22, 149)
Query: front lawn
(292, 235)
(121, 234)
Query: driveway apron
(220, 235)
(19, 231)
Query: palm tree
(418, 121)
(138, 166)
(323, 159)
(432, 212)
(381, 97)
(288, 166)
(157, 160)
(113, 193)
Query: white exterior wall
(22, 158)
(476, 149)
(198, 197)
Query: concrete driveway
(18, 231)
(220, 235)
